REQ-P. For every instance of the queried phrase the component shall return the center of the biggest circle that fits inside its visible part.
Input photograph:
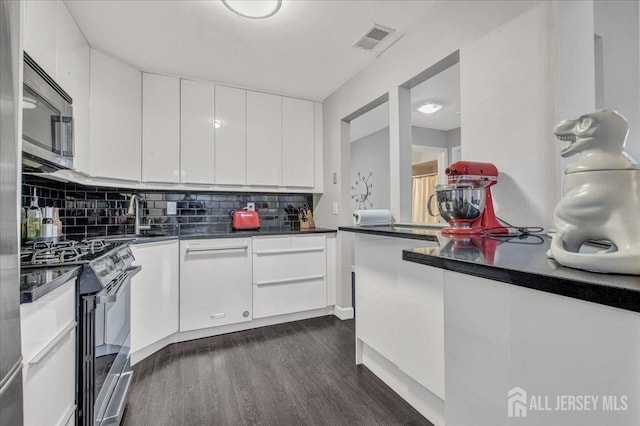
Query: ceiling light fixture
(430, 107)
(253, 9)
(217, 124)
(28, 102)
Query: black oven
(103, 309)
(104, 372)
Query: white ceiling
(443, 87)
(303, 51)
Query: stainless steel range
(104, 318)
(46, 253)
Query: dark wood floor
(299, 373)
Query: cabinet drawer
(41, 321)
(288, 258)
(289, 266)
(263, 245)
(285, 297)
(49, 384)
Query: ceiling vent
(372, 37)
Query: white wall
(429, 137)
(438, 138)
(454, 137)
(507, 103)
(618, 24)
(371, 155)
(456, 24)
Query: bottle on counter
(57, 223)
(47, 223)
(34, 218)
(23, 224)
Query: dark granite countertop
(517, 261)
(523, 262)
(220, 231)
(399, 231)
(37, 282)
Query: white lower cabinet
(289, 274)
(505, 342)
(215, 282)
(400, 309)
(154, 293)
(48, 329)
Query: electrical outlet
(251, 206)
(171, 207)
(335, 207)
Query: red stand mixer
(466, 201)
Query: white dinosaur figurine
(601, 196)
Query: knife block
(306, 220)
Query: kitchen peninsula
(452, 324)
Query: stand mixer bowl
(460, 206)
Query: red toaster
(244, 219)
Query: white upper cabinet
(264, 139)
(73, 76)
(116, 119)
(41, 35)
(160, 128)
(231, 137)
(297, 143)
(197, 156)
(318, 152)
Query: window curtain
(422, 187)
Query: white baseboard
(343, 313)
(184, 336)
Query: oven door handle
(113, 295)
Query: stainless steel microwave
(47, 119)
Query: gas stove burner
(93, 246)
(46, 253)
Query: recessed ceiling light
(28, 102)
(217, 124)
(430, 107)
(253, 9)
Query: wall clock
(361, 191)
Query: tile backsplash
(89, 211)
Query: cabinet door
(160, 128)
(154, 293)
(196, 132)
(215, 282)
(49, 384)
(264, 139)
(48, 329)
(41, 35)
(319, 145)
(297, 143)
(73, 76)
(421, 324)
(116, 119)
(231, 137)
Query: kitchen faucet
(134, 210)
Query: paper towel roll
(372, 217)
